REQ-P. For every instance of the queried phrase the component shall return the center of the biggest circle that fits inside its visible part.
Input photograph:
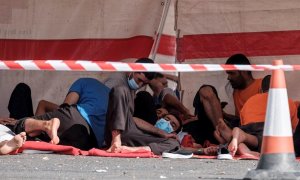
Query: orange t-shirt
(297, 103)
(240, 96)
(255, 108)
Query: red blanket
(60, 149)
(69, 150)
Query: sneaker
(223, 153)
(178, 154)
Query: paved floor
(53, 166)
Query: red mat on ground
(69, 150)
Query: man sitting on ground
(163, 97)
(208, 107)
(89, 98)
(122, 131)
(247, 139)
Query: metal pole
(160, 29)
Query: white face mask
(164, 125)
(132, 84)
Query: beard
(238, 84)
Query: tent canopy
(189, 31)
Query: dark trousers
(296, 136)
(73, 129)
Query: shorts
(255, 129)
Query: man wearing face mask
(168, 126)
(122, 131)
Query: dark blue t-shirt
(92, 104)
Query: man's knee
(42, 103)
(207, 93)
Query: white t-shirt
(5, 133)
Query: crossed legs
(238, 139)
(34, 127)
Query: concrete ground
(54, 166)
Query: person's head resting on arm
(170, 123)
(161, 112)
(239, 79)
(158, 82)
(137, 80)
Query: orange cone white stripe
(277, 160)
(278, 129)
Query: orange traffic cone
(277, 159)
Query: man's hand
(188, 119)
(170, 135)
(8, 121)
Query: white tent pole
(160, 29)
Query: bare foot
(51, 128)
(219, 137)
(134, 149)
(16, 142)
(244, 150)
(234, 144)
(115, 147)
(116, 144)
(224, 130)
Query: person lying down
(167, 126)
(9, 141)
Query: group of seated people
(116, 115)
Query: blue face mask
(132, 84)
(164, 125)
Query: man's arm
(47, 106)
(72, 98)
(44, 107)
(144, 125)
(172, 101)
(171, 77)
(8, 121)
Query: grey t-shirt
(159, 100)
(116, 79)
